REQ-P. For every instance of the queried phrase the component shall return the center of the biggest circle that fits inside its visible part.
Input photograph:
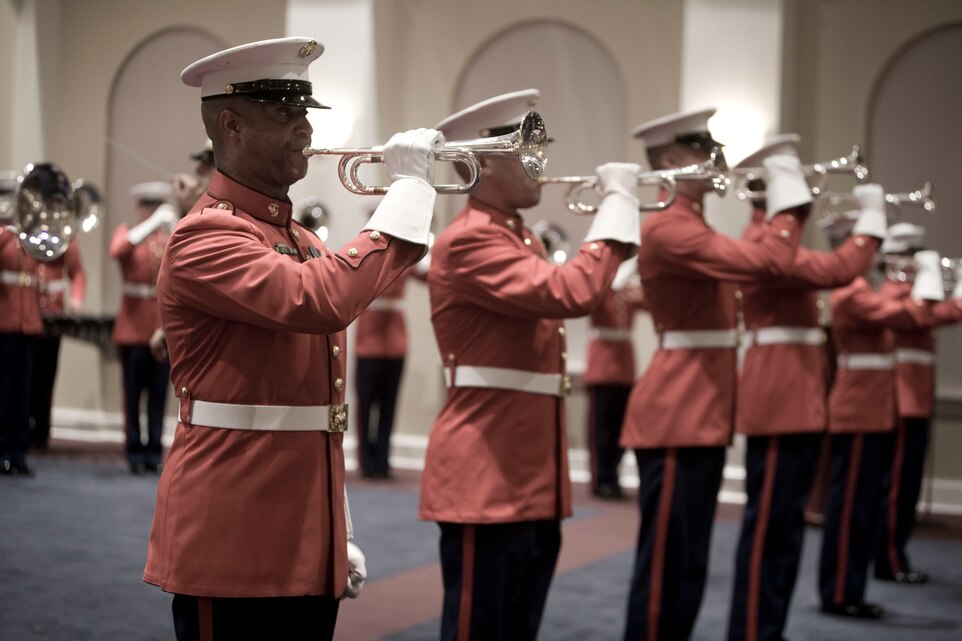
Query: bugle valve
(902, 269)
(528, 144)
(816, 173)
(713, 169)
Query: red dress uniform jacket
(500, 455)
(915, 382)
(686, 398)
(138, 317)
(53, 278)
(611, 354)
(19, 300)
(782, 386)
(251, 319)
(863, 400)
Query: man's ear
(230, 122)
(672, 157)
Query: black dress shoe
(609, 492)
(22, 468)
(6, 467)
(863, 610)
(912, 577)
(137, 468)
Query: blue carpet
(73, 542)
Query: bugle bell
(528, 144)
(713, 169)
(816, 173)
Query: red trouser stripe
(467, 584)
(845, 526)
(661, 535)
(758, 540)
(892, 514)
(205, 619)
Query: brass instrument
(313, 214)
(901, 268)
(841, 207)
(816, 173)
(528, 144)
(712, 169)
(88, 205)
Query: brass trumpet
(712, 169)
(528, 144)
(840, 206)
(903, 269)
(817, 173)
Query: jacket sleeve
(827, 270)
(687, 245)
(495, 271)
(873, 308)
(224, 267)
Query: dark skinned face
(505, 185)
(270, 138)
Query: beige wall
(833, 53)
(9, 17)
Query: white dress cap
(481, 119)
(780, 145)
(903, 238)
(151, 192)
(266, 71)
(667, 129)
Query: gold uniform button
(820, 304)
(336, 351)
(738, 294)
(338, 384)
(221, 205)
(561, 331)
(375, 235)
(859, 242)
(527, 241)
(784, 233)
(352, 252)
(451, 357)
(594, 246)
(790, 218)
(511, 224)
(183, 391)
(564, 356)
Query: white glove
(424, 265)
(871, 219)
(410, 154)
(785, 184)
(618, 217)
(618, 177)
(356, 571)
(626, 271)
(164, 215)
(957, 292)
(928, 276)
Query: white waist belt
(611, 334)
(786, 336)
(866, 361)
(510, 379)
(915, 357)
(23, 279)
(699, 338)
(55, 286)
(139, 290)
(387, 304)
(269, 418)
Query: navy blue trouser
(304, 618)
(41, 387)
(898, 504)
(677, 496)
(378, 381)
(16, 368)
(144, 373)
(496, 579)
(605, 415)
(778, 475)
(852, 507)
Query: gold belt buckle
(565, 385)
(25, 279)
(337, 418)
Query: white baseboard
(939, 496)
